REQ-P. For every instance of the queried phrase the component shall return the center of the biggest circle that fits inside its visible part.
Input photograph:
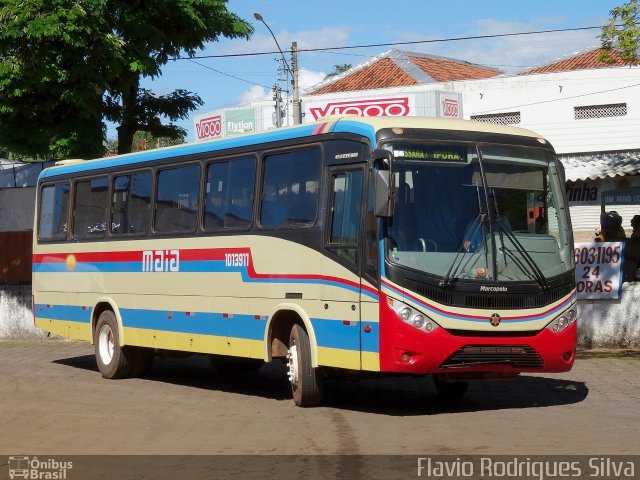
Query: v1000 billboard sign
(224, 123)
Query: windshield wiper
(533, 266)
(466, 243)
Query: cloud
(254, 93)
(309, 78)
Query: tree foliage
(622, 33)
(66, 66)
(337, 70)
(53, 72)
(144, 141)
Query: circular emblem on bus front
(494, 320)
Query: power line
(393, 44)
(227, 74)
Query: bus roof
(365, 126)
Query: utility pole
(297, 107)
(285, 72)
(277, 97)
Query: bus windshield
(478, 213)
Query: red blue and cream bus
(401, 245)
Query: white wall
(16, 209)
(546, 103)
(611, 323)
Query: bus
(352, 245)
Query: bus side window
(90, 208)
(345, 214)
(290, 188)
(176, 204)
(130, 203)
(371, 244)
(229, 194)
(54, 204)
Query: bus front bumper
(408, 350)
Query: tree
(53, 72)
(622, 33)
(150, 38)
(144, 141)
(66, 66)
(337, 70)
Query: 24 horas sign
(599, 269)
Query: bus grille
(493, 301)
(520, 356)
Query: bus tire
(141, 360)
(306, 381)
(448, 389)
(112, 359)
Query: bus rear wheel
(110, 356)
(306, 381)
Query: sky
(230, 82)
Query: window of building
(505, 118)
(176, 202)
(229, 194)
(290, 188)
(90, 208)
(600, 111)
(54, 205)
(130, 203)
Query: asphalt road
(54, 401)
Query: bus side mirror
(383, 183)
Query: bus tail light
(562, 321)
(412, 317)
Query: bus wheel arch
(101, 305)
(278, 331)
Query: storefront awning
(600, 165)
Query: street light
(297, 114)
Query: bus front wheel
(306, 381)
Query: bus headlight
(412, 317)
(562, 321)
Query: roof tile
(397, 68)
(583, 61)
(381, 74)
(600, 165)
(443, 70)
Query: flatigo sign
(433, 103)
(376, 107)
(208, 127)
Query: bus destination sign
(431, 153)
